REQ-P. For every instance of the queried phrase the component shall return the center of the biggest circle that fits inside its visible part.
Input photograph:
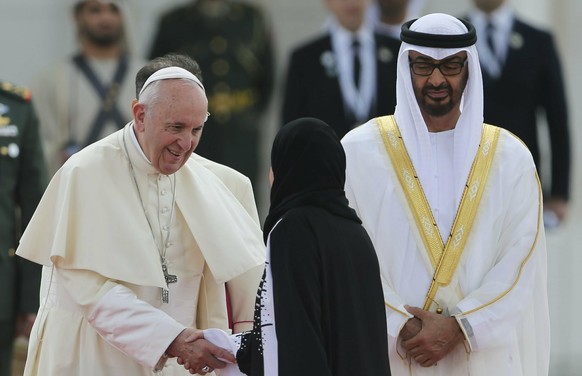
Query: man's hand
(24, 322)
(196, 354)
(410, 329)
(438, 336)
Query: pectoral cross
(170, 278)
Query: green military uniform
(232, 44)
(22, 183)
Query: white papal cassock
(101, 311)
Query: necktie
(357, 63)
(490, 30)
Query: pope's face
(169, 127)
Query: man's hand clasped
(428, 337)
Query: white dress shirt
(502, 21)
(357, 101)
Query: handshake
(203, 351)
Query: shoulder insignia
(18, 92)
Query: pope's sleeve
(127, 323)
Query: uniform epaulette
(18, 92)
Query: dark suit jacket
(312, 88)
(531, 80)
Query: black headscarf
(309, 165)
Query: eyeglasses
(447, 68)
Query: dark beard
(438, 109)
(103, 39)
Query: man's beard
(437, 108)
(103, 39)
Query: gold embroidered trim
(443, 258)
(410, 183)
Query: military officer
(22, 182)
(232, 43)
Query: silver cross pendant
(170, 278)
(165, 296)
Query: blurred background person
(345, 76)
(231, 42)
(522, 78)
(389, 15)
(85, 97)
(22, 182)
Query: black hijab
(309, 166)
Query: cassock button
(166, 228)
(11, 252)
(163, 192)
(165, 210)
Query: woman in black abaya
(320, 307)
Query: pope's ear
(138, 110)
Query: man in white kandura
(138, 241)
(453, 208)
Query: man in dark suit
(345, 76)
(389, 15)
(22, 182)
(521, 77)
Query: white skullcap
(171, 73)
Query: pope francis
(140, 243)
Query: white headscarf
(412, 126)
